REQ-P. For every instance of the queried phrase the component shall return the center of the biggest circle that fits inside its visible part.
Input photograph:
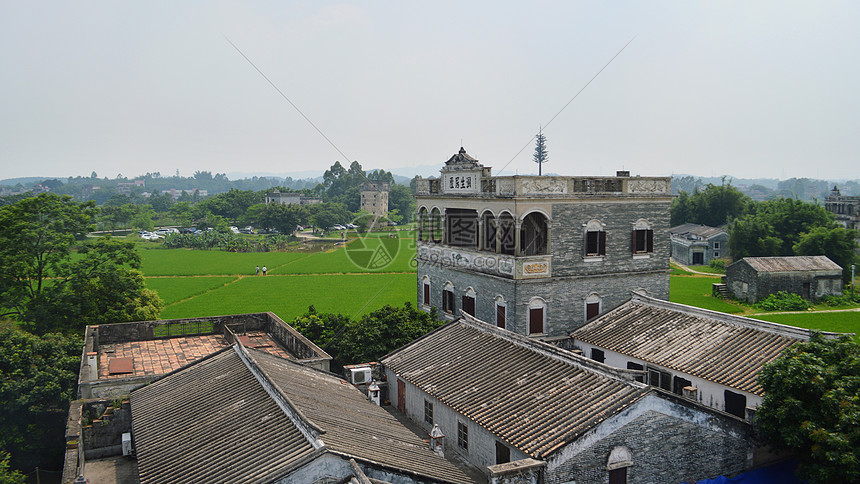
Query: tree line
(339, 192)
(778, 227)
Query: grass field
(841, 321)
(369, 273)
(696, 291)
(290, 296)
(175, 289)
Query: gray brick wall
(665, 450)
(568, 239)
(564, 296)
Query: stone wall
(668, 443)
(565, 296)
(618, 217)
(749, 285)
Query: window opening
(428, 412)
(679, 383)
(503, 453)
(598, 355)
(469, 304)
(636, 366)
(736, 404)
(643, 241)
(660, 379)
(462, 227)
(534, 234)
(462, 435)
(500, 316)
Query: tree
(282, 217)
(812, 406)
(369, 338)
(837, 243)
(37, 235)
(8, 475)
(775, 226)
(400, 198)
(46, 288)
(540, 155)
(38, 380)
(713, 206)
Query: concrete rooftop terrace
(161, 356)
(118, 358)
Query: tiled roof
(792, 263)
(160, 356)
(728, 350)
(531, 395)
(212, 422)
(353, 426)
(703, 231)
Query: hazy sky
(754, 89)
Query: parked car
(234, 229)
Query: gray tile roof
(726, 349)
(703, 231)
(353, 426)
(792, 263)
(531, 395)
(212, 422)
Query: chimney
(437, 440)
(373, 392)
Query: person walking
(258, 270)
(264, 270)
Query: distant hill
(27, 180)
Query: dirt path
(687, 269)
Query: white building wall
(482, 443)
(709, 393)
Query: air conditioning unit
(127, 449)
(359, 376)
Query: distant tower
(177, 173)
(374, 198)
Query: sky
(751, 89)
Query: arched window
(501, 310)
(425, 283)
(643, 237)
(448, 298)
(489, 222)
(595, 239)
(537, 316)
(507, 228)
(423, 224)
(620, 458)
(534, 234)
(469, 301)
(436, 225)
(593, 306)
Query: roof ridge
(741, 321)
(306, 426)
(551, 351)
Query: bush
(718, 264)
(843, 300)
(784, 301)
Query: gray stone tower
(539, 255)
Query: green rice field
(351, 279)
